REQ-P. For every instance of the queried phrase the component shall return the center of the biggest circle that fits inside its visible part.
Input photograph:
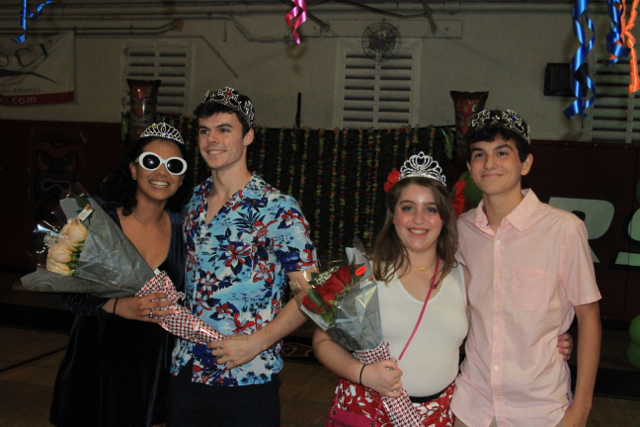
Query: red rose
(338, 281)
(311, 306)
(392, 178)
(327, 295)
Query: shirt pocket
(530, 289)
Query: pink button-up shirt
(525, 280)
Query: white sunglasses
(151, 161)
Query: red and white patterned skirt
(364, 401)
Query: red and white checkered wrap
(186, 325)
(161, 284)
(182, 323)
(400, 410)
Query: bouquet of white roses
(81, 250)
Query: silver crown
(422, 165)
(507, 119)
(231, 98)
(163, 130)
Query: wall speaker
(557, 79)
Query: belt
(422, 399)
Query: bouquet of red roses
(344, 302)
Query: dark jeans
(201, 405)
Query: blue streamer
(614, 38)
(579, 105)
(24, 13)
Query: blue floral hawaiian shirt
(236, 273)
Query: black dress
(116, 370)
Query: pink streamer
(299, 11)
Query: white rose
(57, 267)
(60, 253)
(75, 230)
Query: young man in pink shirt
(531, 272)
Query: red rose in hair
(392, 178)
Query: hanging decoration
(299, 14)
(24, 14)
(580, 90)
(614, 38)
(627, 26)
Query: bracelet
(114, 306)
(361, 369)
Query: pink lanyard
(424, 306)
(433, 280)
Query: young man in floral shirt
(244, 240)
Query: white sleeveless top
(430, 363)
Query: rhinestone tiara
(508, 119)
(422, 165)
(232, 99)
(164, 131)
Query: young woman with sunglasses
(116, 370)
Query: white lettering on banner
(22, 100)
(598, 215)
(626, 258)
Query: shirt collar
(518, 217)
(255, 186)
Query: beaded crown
(424, 166)
(163, 130)
(508, 119)
(232, 99)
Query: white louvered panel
(371, 94)
(171, 65)
(615, 116)
(359, 91)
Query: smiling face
(497, 169)
(417, 220)
(222, 145)
(158, 184)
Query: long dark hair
(389, 254)
(118, 188)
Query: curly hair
(118, 188)
(389, 254)
(496, 131)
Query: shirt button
(498, 274)
(498, 241)
(495, 368)
(498, 305)
(497, 335)
(497, 399)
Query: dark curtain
(336, 175)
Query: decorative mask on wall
(466, 105)
(143, 99)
